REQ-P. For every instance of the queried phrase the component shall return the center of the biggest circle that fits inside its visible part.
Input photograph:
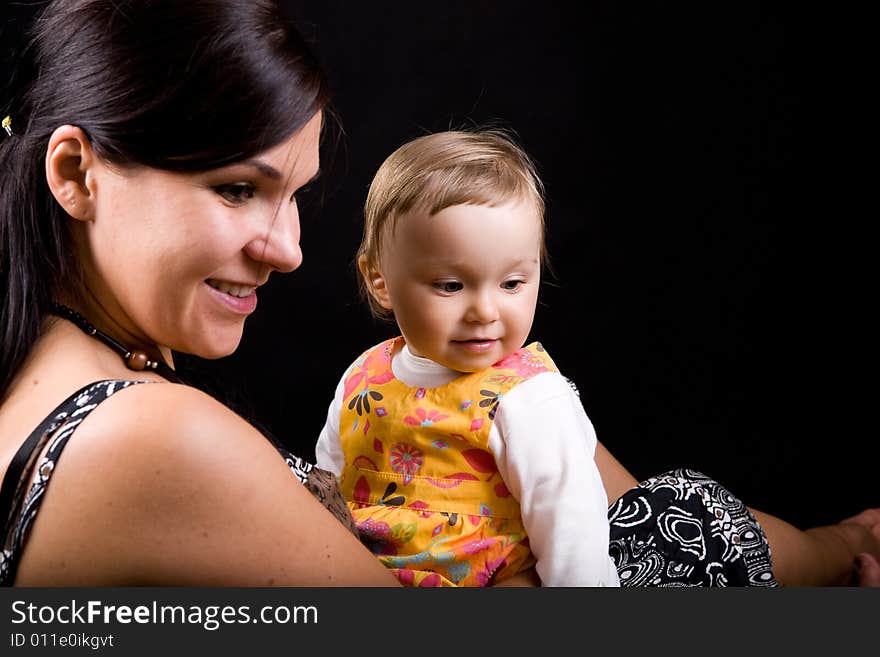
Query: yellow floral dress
(419, 477)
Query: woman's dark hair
(179, 85)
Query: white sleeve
(328, 450)
(544, 445)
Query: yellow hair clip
(7, 125)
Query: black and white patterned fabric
(29, 493)
(683, 529)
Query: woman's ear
(70, 164)
(375, 282)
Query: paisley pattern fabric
(324, 487)
(56, 432)
(683, 529)
(420, 478)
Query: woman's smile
(240, 299)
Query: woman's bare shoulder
(167, 417)
(162, 484)
(160, 422)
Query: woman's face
(176, 260)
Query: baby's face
(463, 284)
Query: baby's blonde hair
(431, 173)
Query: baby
(465, 456)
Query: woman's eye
(236, 193)
(448, 287)
(511, 285)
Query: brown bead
(137, 360)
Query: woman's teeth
(239, 291)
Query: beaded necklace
(134, 360)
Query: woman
(156, 216)
(149, 178)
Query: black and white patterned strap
(22, 493)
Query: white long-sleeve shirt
(544, 445)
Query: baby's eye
(236, 193)
(448, 287)
(511, 285)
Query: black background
(708, 215)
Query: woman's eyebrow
(273, 173)
(266, 169)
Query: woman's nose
(278, 247)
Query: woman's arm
(162, 485)
(819, 556)
(615, 477)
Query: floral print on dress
(491, 400)
(407, 460)
(384, 539)
(523, 362)
(425, 418)
(420, 478)
(375, 369)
